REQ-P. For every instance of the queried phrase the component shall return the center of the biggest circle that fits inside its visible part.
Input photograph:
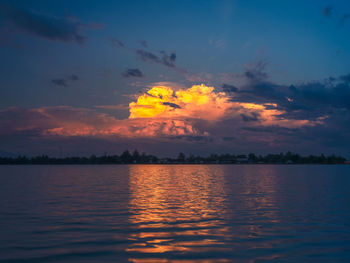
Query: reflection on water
(177, 208)
(186, 209)
(175, 213)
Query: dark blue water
(175, 213)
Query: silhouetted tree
(126, 157)
(181, 157)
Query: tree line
(136, 158)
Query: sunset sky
(95, 77)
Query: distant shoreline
(117, 164)
(135, 157)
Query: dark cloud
(313, 101)
(132, 73)
(344, 18)
(168, 60)
(251, 117)
(116, 42)
(147, 56)
(327, 11)
(144, 43)
(173, 105)
(229, 88)
(256, 72)
(172, 57)
(345, 78)
(73, 77)
(64, 82)
(65, 29)
(60, 82)
(164, 59)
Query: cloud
(72, 122)
(163, 59)
(64, 29)
(255, 72)
(132, 73)
(171, 105)
(113, 107)
(345, 78)
(305, 100)
(201, 77)
(64, 82)
(201, 103)
(344, 18)
(115, 42)
(200, 116)
(161, 112)
(60, 82)
(229, 88)
(73, 77)
(144, 43)
(327, 11)
(168, 60)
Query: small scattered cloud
(168, 60)
(344, 18)
(64, 82)
(116, 42)
(147, 56)
(345, 78)
(132, 72)
(165, 59)
(144, 43)
(161, 58)
(327, 11)
(64, 29)
(256, 71)
(217, 43)
(73, 77)
(60, 82)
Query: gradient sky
(275, 75)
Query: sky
(201, 77)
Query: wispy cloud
(60, 82)
(344, 18)
(64, 29)
(327, 11)
(64, 82)
(132, 72)
(165, 59)
(144, 43)
(116, 42)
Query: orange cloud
(202, 102)
(160, 112)
(199, 101)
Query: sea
(175, 213)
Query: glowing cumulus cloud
(160, 112)
(203, 103)
(199, 101)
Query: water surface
(175, 213)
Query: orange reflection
(177, 209)
(186, 209)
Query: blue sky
(213, 42)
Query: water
(175, 213)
